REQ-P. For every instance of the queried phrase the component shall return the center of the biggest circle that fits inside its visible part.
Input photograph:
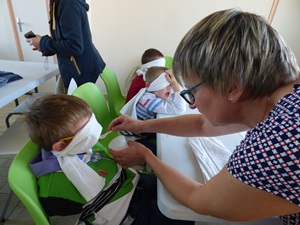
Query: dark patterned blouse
(269, 156)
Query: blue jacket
(71, 40)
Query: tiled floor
(16, 213)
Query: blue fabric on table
(3, 81)
(7, 77)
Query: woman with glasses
(241, 76)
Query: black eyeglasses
(187, 94)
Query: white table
(176, 152)
(33, 75)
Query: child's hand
(170, 77)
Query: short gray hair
(231, 45)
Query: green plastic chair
(92, 94)
(169, 62)
(114, 95)
(23, 183)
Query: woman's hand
(126, 123)
(135, 154)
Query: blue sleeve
(174, 105)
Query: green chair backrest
(23, 183)
(169, 61)
(92, 94)
(114, 95)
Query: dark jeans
(144, 208)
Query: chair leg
(17, 102)
(2, 217)
(7, 120)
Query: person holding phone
(71, 41)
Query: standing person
(71, 41)
(240, 75)
(77, 179)
(151, 57)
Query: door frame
(272, 11)
(15, 29)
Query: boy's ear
(59, 146)
(147, 84)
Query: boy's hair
(154, 72)
(53, 117)
(150, 55)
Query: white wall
(286, 22)
(123, 30)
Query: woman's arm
(223, 196)
(189, 125)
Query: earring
(231, 100)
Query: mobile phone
(29, 34)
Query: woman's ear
(235, 93)
(59, 146)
